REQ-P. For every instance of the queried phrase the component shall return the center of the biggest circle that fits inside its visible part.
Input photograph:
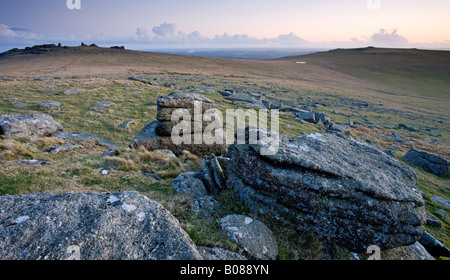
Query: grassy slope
(331, 75)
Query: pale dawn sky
(227, 23)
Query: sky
(227, 23)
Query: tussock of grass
(13, 149)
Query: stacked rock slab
(333, 186)
(157, 134)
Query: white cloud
(289, 39)
(14, 33)
(167, 33)
(142, 34)
(165, 29)
(386, 39)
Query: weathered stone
(157, 134)
(306, 115)
(321, 118)
(433, 246)
(251, 235)
(90, 226)
(336, 187)
(408, 127)
(149, 139)
(183, 100)
(433, 221)
(49, 106)
(165, 128)
(442, 201)
(62, 148)
(85, 137)
(101, 105)
(165, 113)
(126, 124)
(213, 175)
(419, 252)
(32, 162)
(190, 183)
(432, 163)
(219, 254)
(72, 91)
(30, 126)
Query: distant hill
(417, 72)
(368, 72)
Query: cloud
(165, 29)
(289, 39)
(386, 39)
(15, 34)
(142, 34)
(167, 33)
(6, 31)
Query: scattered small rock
(49, 106)
(101, 105)
(126, 124)
(442, 201)
(61, 148)
(32, 162)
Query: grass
(325, 81)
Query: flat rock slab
(442, 201)
(49, 105)
(430, 162)
(183, 100)
(83, 137)
(101, 105)
(90, 226)
(71, 91)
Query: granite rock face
(90, 226)
(29, 125)
(333, 186)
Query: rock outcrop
(333, 186)
(90, 226)
(157, 134)
(433, 163)
(29, 125)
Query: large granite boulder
(29, 125)
(333, 186)
(90, 226)
(433, 163)
(157, 134)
